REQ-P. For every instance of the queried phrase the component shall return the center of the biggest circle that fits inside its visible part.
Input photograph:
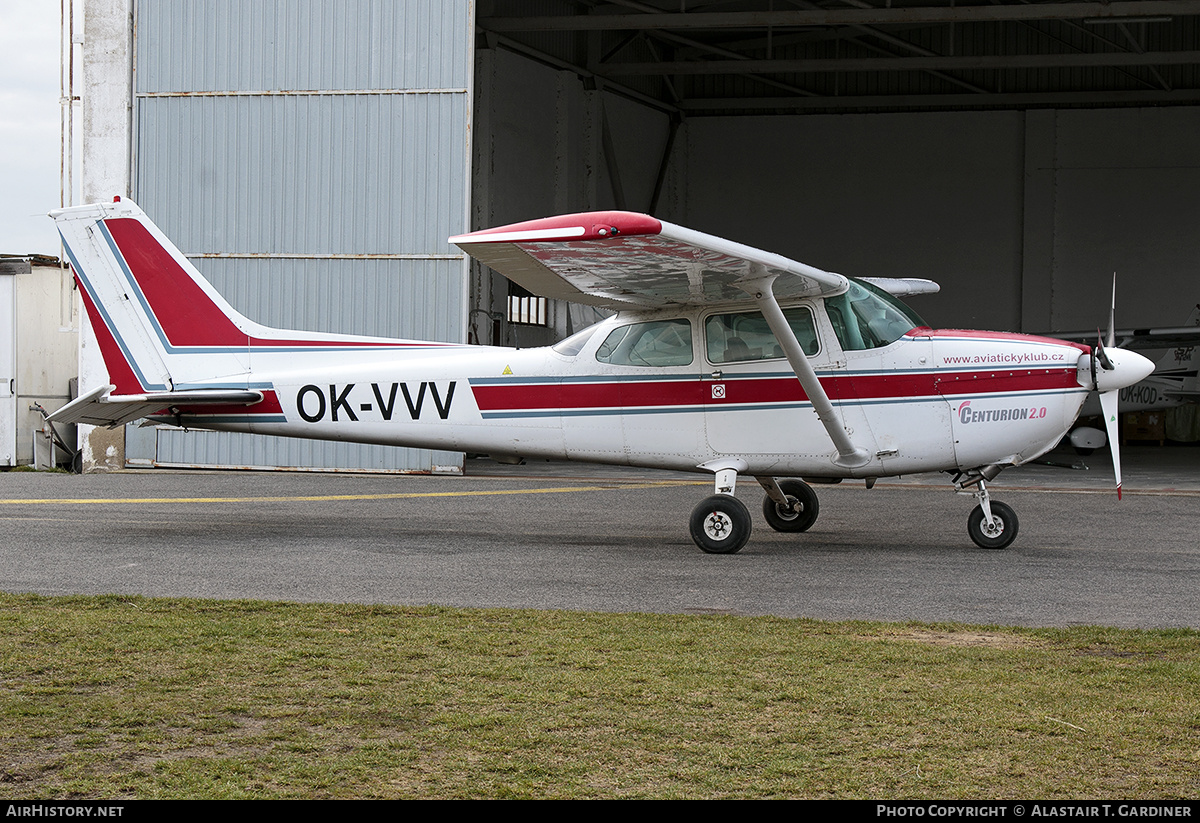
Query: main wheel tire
(1001, 535)
(720, 524)
(803, 512)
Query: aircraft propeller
(1118, 368)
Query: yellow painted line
(336, 497)
(995, 490)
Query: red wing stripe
(595, 225)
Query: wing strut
(849, 455)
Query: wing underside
(621, 260)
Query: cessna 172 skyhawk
(722, 358)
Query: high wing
(100, 408)
(622, 260)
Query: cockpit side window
(656, 343)
(734, 338)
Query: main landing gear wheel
(799, 515)
(998, 536)
(720, 524)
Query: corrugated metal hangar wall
(311, 159)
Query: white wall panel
(351, 45)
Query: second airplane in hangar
(721, 358)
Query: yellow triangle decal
(507, 370)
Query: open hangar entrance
(1017, 153)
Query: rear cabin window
(735, 338)
(657, 343)
(575, 343)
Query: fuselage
(676, 389)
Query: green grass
(123, 697)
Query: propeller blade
(1105, 363)
(1118, 368)
(1108, 404)
(1110, 340)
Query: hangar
(312, 158)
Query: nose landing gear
(991, 524)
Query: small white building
(39, 344)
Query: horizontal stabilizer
(99, 408)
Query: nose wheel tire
(1000, 535)
(720, 524)
(801, 512)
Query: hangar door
(311, 159)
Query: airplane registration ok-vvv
(721, 358)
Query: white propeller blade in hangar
(1117, 368)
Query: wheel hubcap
(718, 525)
(994, 530)
(791, 511)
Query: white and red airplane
(722, 359)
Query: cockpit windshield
(867, 317)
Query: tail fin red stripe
(185, 313)
(120, 374)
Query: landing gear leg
(721, 523)
(991, 524)
(790, 505)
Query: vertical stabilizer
(149, 306)
(1180, 362)
(160, 325)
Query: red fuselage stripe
(765, 390)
